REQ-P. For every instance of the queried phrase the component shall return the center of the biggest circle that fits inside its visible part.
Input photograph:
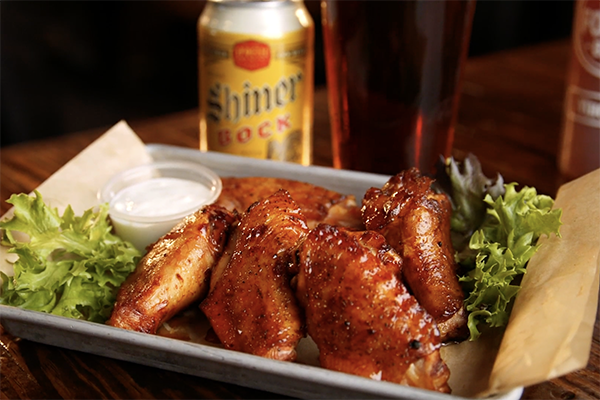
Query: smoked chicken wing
(174, 273)
(359, 313)
(317, 203)
(251, 306)
(416, 223)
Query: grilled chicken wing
(174, 273)
(416, 223)
(317, 203)
(251, 306)
(359, 313)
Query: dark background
(74, 65)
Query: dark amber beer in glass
(393, 73)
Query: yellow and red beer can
(256, 68)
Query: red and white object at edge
(580, 141)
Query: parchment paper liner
(551, 325)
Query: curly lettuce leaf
(71, 265)
(503, 245)
(494, 230)
(466, 185)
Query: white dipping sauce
(159, 197)
(155, 205)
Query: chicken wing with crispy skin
(251, 306)
(416, 223)
(317, 203)
(174, 273)
(359, 313)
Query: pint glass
(393, 72)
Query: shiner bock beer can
(256, 69)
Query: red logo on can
(251, 55)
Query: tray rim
(19, 322)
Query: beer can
(256, 67)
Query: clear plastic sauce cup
(147, 201)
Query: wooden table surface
(510, 117)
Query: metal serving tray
(302, 379)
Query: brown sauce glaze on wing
(359, 313)
(174, 273)
(317, 203)
(416, 223)
(251, 306)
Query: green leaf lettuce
(502, 226)
(70, 266)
